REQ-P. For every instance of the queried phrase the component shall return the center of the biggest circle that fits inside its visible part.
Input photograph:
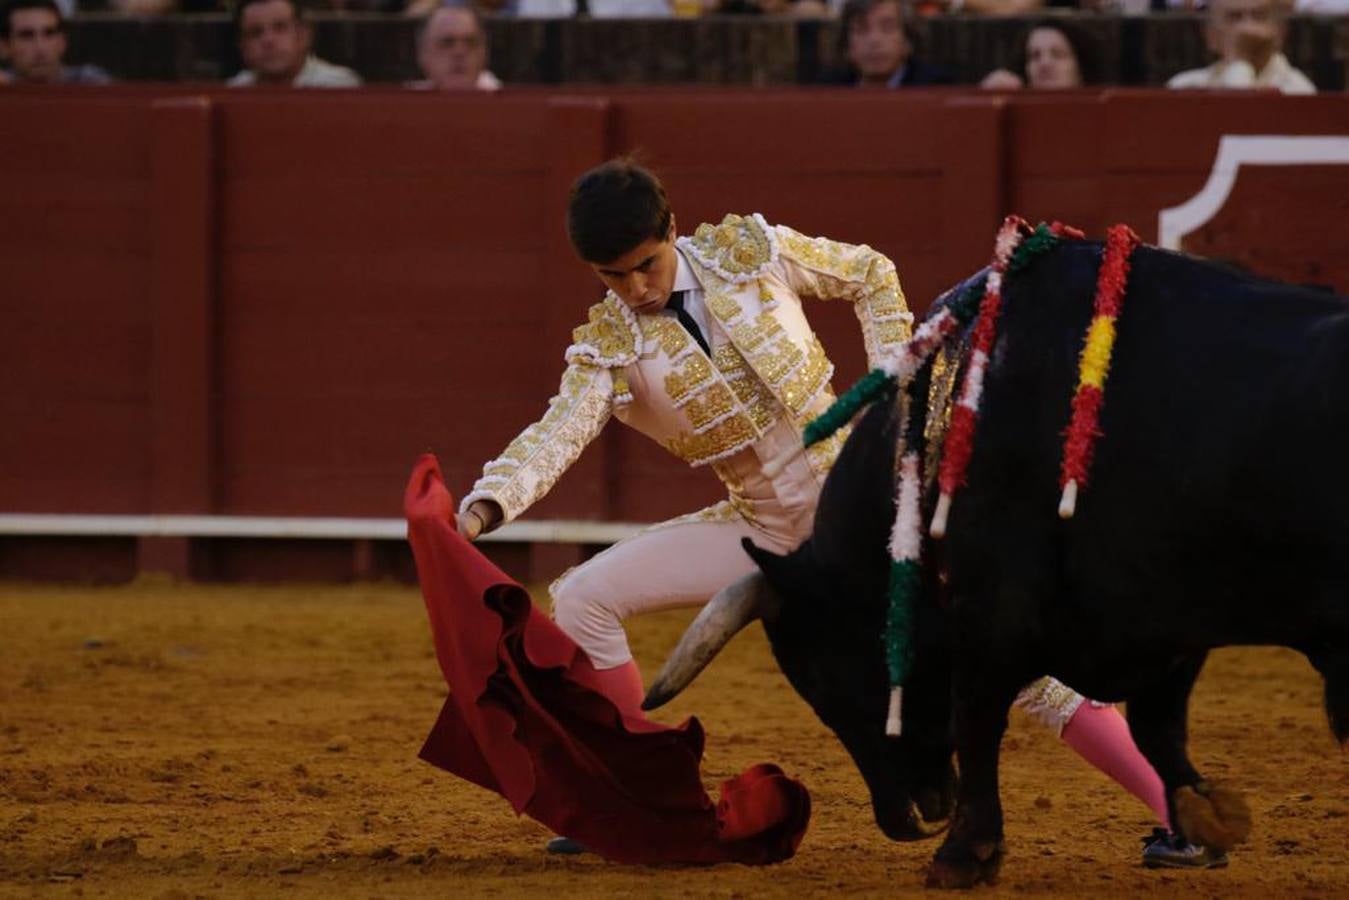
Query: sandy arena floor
(171, 741)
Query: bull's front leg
(973, 850)
(1204, 813)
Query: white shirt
(1278, 74)
(485, 81)
(687, 281)
(315, 73)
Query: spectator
(1247, 37)
(452, 52)
(1053, 55)
(422, 9)
(33, 38)
(596, 9)
(878, 49)
(992, 7)
(997, 7)
(801, 9)
(274, 41)
(145, 8)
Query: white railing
(560, 531)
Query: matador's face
(644, 276)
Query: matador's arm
(533, 462)
(827, 270)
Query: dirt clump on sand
(175, 741)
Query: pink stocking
(1100, 735)
(623, 685)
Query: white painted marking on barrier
(1234, 151)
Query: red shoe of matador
(525, 718)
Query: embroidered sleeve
(827, 270)
(533, 462)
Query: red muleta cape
(526, 719)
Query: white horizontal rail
(556, 531)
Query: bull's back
(1232, 391)
(1217, 477)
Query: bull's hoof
(1213, 816)
(958, 870)
(936, 803)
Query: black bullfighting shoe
(565, 846)
(1164, 850)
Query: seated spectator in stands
(164, 7)
(274, 41)
(422, 9)
(143, 7)
(33, 38)
(800, 9)
(998, 7)
(1322, 7)
(452, 52)
(596, 9)
(878, 49)
(1247, 37)
(1053, 55)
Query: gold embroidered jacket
(765, 363)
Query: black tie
(690, 324)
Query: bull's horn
(925, 829)
(734, 607)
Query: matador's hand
(480, 517)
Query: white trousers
(685, 561)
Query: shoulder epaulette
(737, 250)
(610, 339)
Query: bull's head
(823, 607)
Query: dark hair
(615, 207)
(1084, 49)
(14, 6)
(241, 5)
(858, 9)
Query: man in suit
(879, 51)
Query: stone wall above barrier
(749, 51)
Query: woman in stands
(1053, 55)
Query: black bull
(1217, 514)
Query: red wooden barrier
(1124, 156)
(75, 313)
(269, 303)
